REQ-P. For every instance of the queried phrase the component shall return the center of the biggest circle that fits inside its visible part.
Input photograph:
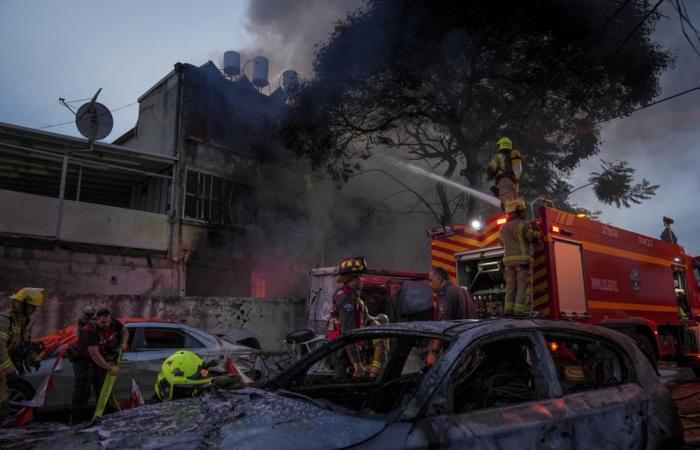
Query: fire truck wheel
(645, 346)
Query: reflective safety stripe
(6, 364)
(521, 308)
(4, 336)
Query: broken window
(584, 364)
(393, 367)
(218, 201)
(499, 373)
(158, 338)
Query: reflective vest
(506, 163)
(334, 329)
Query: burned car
(150, 342)
(496, 384)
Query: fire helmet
(183, 374)
(29, 296)
(515, 205)
(504, 143)
(354, 265)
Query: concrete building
(197, 199)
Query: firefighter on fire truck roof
(516, 235)
(505, 169)
(347, 313)
(668, 235)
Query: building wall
(155, 129)
(62, 270)
(270, 320)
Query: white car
(150, 343)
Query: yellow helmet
(183, 374)
(504, 143)
(29, 296)
(516, 205)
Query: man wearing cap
(668, 235)
(15, 333)
(347, 313)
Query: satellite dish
(94, 121)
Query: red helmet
(352, 265)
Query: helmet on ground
(515, 205)
(183, 374)
(504, 143)
(29, 296)
(354, 265)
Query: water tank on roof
(232, 63)
(260, 66)
(290, 81)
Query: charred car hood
(246, 419)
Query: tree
(441, 81)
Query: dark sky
(71, 48)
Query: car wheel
(20, 391)
(645, 346)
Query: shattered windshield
(367, 376)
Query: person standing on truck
(505, 169)
(454, 303)
(668, 235)
(96, 349)
(347, 313)
(516, 235)
(15, 335)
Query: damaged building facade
(198, 199)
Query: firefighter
(505, 169)
(380, 347)
(516, 235)
(668, 235)
(96, 351)
(347, 313)
(16, 353)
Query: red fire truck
(588, 271)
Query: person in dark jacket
(347, 313)
(96, 350)
(668, 235)
(453, 303)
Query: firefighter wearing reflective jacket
(516, 236)
(347, 313)
(16, 352)
(505, 169)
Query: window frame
(228, 213)
(542, 364)
(632, 377)
(142, 341)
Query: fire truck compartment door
(570, 285)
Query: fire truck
(587, 271)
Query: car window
(497, 373)
(158, 338)
(392, 368)
(584, 364)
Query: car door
(497, 395)
(122, 387)
(156, 342)
(597, 390)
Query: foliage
(614, 185)
(441, 81)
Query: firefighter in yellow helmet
(183, 374)
(516, 236)
(16, 353)
(505, 169)
(348, 312)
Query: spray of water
(425, 173)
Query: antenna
(93, 119)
